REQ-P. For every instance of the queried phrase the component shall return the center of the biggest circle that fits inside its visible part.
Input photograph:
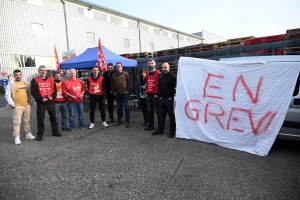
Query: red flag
(56, 59)
(101, 59)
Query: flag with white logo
(101, 59)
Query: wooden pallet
(234, 44)
(134, 55)
(126, 55)
(194, 48)
(296, 50)
(220, 45)
(242, 39)
(182, 50)
(292, 34)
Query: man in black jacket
(43, 90)
(110, 97)
(167, 85)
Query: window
(15, 61)
(119, 21)
(188, 39)
(22, 61)
(174, 35)
(152, 46)
(143, 27)
(165, 33)
(156, 31)
(90, 37)
(37, 29)
(100, 16)
(80, 11)
(113, 20)
(132, 24)
(180, 37)
(29, 61)
(193, 41)
(72, 9)
(126, 42)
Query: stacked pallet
(262, 40)
(292, 34)
(234, 42)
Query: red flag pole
(56, 59)
(101, 59)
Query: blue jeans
(72, 108)
(120, 99)
(61, 108)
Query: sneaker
(71, 129)
(117, 123)
(39, 137)
(149, 128)
(157, 132)
(91, 126)
(82, 126)
(29, 136)
(17, 140)
(65, 129)
(56, 133)
(110, 120)
(104, 124)
(171, 135)
(127, 125)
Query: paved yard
(129, 163)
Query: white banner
(239, 105)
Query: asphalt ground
(130, 163)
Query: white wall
(209, 37)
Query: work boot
(39, 136)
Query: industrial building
(29, 29)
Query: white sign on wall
(240, 106)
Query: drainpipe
(66, 24)
(178, 38)
(139, 28)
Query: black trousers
(166, 107)
(143, 102)
(40, 113)
(94, 100)
(152, 105)
(110, 104)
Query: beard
(57, 81)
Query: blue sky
(225, 18)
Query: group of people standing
(61, 97)
(157, 91)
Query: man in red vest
(74, 89)
(96, 85)
(43, 90)
(151, 92)
(60, 102)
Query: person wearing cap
(60, 102)
(43, 90)
(18, 97)
(96, 85)
(110, 97)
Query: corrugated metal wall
(16, 35)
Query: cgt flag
(56, 59)
(101, 59)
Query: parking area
(130, 163)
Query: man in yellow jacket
(18, 96)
